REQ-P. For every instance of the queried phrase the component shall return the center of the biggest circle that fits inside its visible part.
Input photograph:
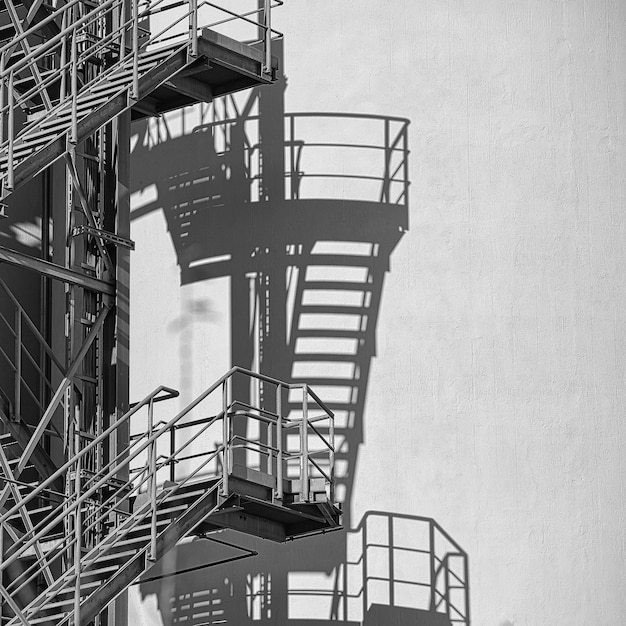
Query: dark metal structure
(90, 494)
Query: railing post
(10, 132)
(1, 107)
(304, 445)
(152, 487)
(267, 15)
(279, 443)
(78, 532)
(135, 88)
(74, 63)
(226, 440)
(172, 451)
(193, 26)
(18, 364)
(331, 458)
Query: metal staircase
(67, 71)
(191, 474)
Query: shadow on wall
(302, 212)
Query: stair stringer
(120, 101)
(117, 584)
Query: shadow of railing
(399, 569)
(302, 212)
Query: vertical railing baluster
(2, 114)
(267, 15)
(270, 445)
(331, 458)
(304, 445)
(172, 451)
(74, 53)
(225, 437)
(77, 533)
(135, 88)
(63, 87)
(10, 132)
(279, 443)
(152, 486)
(193, 26)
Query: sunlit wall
(425, 218)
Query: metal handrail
(70, 31)
(48, 523)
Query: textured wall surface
(496, 361)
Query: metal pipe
(74, 129)
(135, 88)
(193, 27)
(267, 14)
(77, 538)
(10, 133)
(172, 449)
(304, 447)
(152, 552)
(18, 363)
(225, 438)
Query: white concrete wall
(495, 396)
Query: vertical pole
(225, 438)
(390, 539)
(172, 451)
(18, 362)
(304, 445)
(267, 14)
(331, 458)
(364, 561)
(270, 445)
(77, 532)
(152, 555)
(74, 130)
(63, 87)
(1, 109)
(193, 26)
(10, 132)
(135, 90)
(279, 443)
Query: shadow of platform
(302, 212)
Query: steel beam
(56, 271)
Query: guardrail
(105, 506)
(87, 36)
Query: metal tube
(225, 437)
(135, 89)
(77, 537)
(18, 364)
(74, 130)
(331, 458)
(304, 446)
(152, 487)
(10, 133)
(193, 27)
(268, 36)
(270, 442)
(172, 450)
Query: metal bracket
(103, 234)
(3, 210)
